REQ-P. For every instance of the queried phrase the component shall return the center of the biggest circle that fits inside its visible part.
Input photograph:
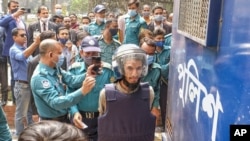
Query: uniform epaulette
(106, 65)
(76, 65)
(141, 20)
(166, 47)
(168, 35)
(116, 41)
(156, 65)
(98, 37)
(43, 71)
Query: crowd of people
(103, 75)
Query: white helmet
(127, 52)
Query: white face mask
(58, 11)
(44, 19)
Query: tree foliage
(78, 6)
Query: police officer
(47, 83)
(106, 41)
(4, 128)
(162, 57)
(125, 105)
(88, 106)
(154, 72)
(134, 23)
(96, 27)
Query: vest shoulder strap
(110, 92)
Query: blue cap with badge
(99, 8)
(90, 43)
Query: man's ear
(50, 54)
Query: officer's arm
(73, 110)
(4, 128)
(71, 80)
(165, 70)
(47, 91)
(157, 90)
(75, 81)
(165, 67)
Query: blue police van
(209, 76)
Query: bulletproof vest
(127, 117)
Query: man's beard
(131, 86)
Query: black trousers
(90, 119)
(163, 102)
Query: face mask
(60, 60)
(158, 18)
(58, 11)
(150, 59)
(159, 44)
(146, 14)
(44, 19)
(63, 40)
(101, 20)
(87, 60)
(132, 13)
(92, 20)
(113, 31)
(84, 27)
(13, 10)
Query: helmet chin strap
(131, 86)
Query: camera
(96, 60)
(26, 10)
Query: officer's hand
(156, 112)
(90, 71)
(94, 70)
(88, 84)
(77, 120)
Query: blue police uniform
(49, 93)
(168, 39)
(96, 29)
(88, 106)
(163, 58)
(107, 50)
(89, 103)
(4, 128)
(133, 28)
(153, 78)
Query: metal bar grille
(193, 18)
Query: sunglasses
(22, 35)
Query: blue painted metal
(209, 88)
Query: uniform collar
(50, 70)
(137, 18)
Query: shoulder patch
(45, 83)
(76, 65)
(155, 65)
(106, 65)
